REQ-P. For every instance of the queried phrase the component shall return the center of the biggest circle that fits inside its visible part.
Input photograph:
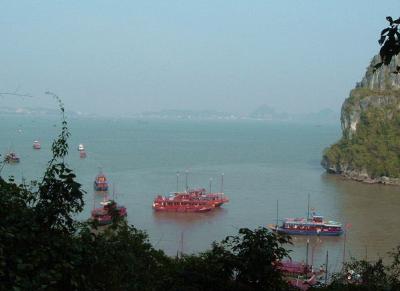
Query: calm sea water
(262, 163)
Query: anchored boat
(181, 202)
(104, 215)
(100, 182)
(216, 198)
(314, 226)
(11, 158)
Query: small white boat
(81, 147)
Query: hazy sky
(119, 57)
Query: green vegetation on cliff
(371, 131)
(370, 147)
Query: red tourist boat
(103, 215)
(182, 202)
(36, 145)
(216, 198)
(100, 183)
(299, 274)
(191, 200)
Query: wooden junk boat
(193, 200)
(181, 202)
(298, 274)
(216, 198)
(104, 215)
(100, 182)
(11, 158)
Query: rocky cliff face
(369, 150)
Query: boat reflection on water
(188, 218)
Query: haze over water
(262, 162)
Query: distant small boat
(100, 183)
(82, 154)
(11, 158)
(103, 215)
(36, 145)
(81, 147)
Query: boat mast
(326, 268)
(222, 183)
(113, 192)
(308, 244)
(181, 243)
(344, 246)
(277, 210)
(308, 208)
(186, 179)
(210, 184)
(177, 181)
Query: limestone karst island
(369, 148)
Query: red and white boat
(182, 202)
(36, 145)
(104, 215)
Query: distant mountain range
(264, 113)
(39, 111)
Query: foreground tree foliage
(365, 275)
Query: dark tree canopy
(390, 42)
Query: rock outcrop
(369, 150)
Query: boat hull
(101, 189)
(169, 209)
(308, 232)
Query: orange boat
(100, 183)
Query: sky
(124, 57)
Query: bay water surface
(262, 163)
